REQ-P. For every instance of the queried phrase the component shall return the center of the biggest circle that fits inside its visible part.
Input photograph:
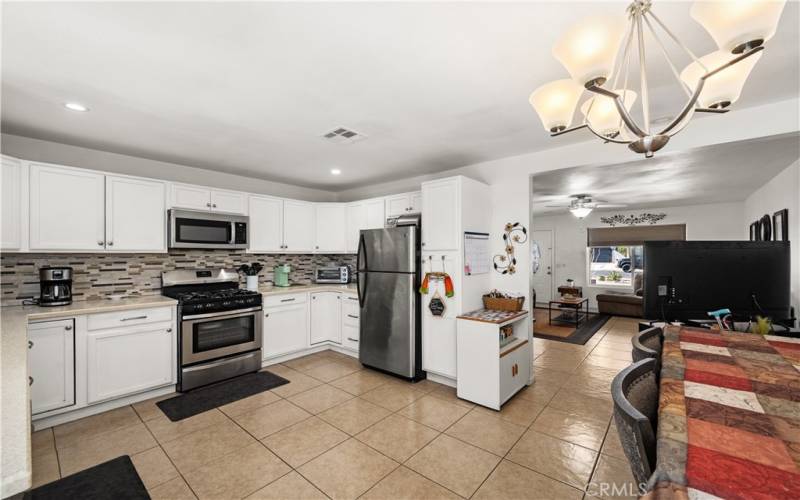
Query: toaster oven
(332, 274)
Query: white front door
(542, 264)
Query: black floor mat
(580, 336)
(115, 479)
(206, 398)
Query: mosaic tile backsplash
(98, 276)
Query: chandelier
(590, 52)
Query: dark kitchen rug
(115, 479)
(563, 332)
(207, 398)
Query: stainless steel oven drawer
(225, 368)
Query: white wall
(718, 221)
(782, 191)
(73, 156)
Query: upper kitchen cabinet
(298, 226)
(266, 224)
(367, 214)
(203, 198)
(67, 209)
(402, 204)
(441, 215)
(12, 184)
(330, 224)
(135, 214)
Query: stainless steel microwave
(198, 229)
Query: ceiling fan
(582, 205)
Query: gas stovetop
(206, 291)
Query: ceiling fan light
(589, 48)
(603, 116)
(736, 25)
(724, 88)
(580, 212)
(555, 103)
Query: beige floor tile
(540, 392)
(612, 478)
(237, 474)
(360, 382)
(331, 371)
(589, 384)
(44, 468)
(249, 404)
(405, 484)
(71, 433)
(559, 361)
(147, 409)
(583, 431)
(449, 394)
(166, 430)
(269, 419)
(393, 396)
(348, 470)
(517, 411)
(585, 405)
(292, 486)
(612, 446)
(434, 412)
(206, 445)
(553, 377)
(176, 489)
(512, 481)
(154, 467)
(43, 441)
(486, 431)
(555, 458)
(320, 398)
(304, 441)
(398, 437)
(354, 416)
(596, 372)
(307, 362)
(427, 385)
(96, 449)
(298, 382)
(456, 465)
(603, 362)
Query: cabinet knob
(423, 243)
(30, 344)
(100, 243)
(30, 380)
(68, 327)
(317, 247)
(110, 243)
(266, 315)
(169, 330)
(214, 205)
(208, 205)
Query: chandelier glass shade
(606, 57)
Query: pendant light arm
(568, 130)
(687, 108)
(643, 75)
(672, 67)
(623, 113)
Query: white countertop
(314, 287)
(16, 420)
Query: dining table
(728, 416)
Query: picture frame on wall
(780, 225)
(754, 231)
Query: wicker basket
(497, 304)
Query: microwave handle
(233, 233)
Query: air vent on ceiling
(343, 135)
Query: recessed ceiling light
(335, 171)
(75, 106)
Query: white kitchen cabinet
(330, 228)
(202, 198)
(350, 321)
(402, 204)
(127, 360)
(298, 226)
(367, 214)
(135, 214)
(441, 207)
(11, 208)
(286, 326)
(51, 365)
(266, 224)
(67, 209)
(325, 317)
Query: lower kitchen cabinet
(326, 309)
(350, 322)
(285, 329)
(51, 365)
(122, 361)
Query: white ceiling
(713, 174)
(248, 88)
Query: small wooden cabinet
(285, 325)
(325, 317)
(51, 365)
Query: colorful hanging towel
(449, 290)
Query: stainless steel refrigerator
(388, 268)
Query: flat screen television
(685, 280)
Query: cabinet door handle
(110, 243)
(30, 344)
(208, 205)
(133, 318)
(169, 330)
(288, 300)
(68, 327)
(351, 316)
(100, 243)
(30, 380)
(214, 205)
(351, 339)
(266, 315)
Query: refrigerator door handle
(362, 275)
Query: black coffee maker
(55, 285)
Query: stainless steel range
(219, 325)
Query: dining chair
(647, 344)
(635, 394)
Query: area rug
(115, 479)
(210, 397)
(563, 332)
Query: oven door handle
(221, 315)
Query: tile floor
(340, 431)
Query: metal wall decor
(515, 233)
(630, 220)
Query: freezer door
(392, 249)
(387, 339)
